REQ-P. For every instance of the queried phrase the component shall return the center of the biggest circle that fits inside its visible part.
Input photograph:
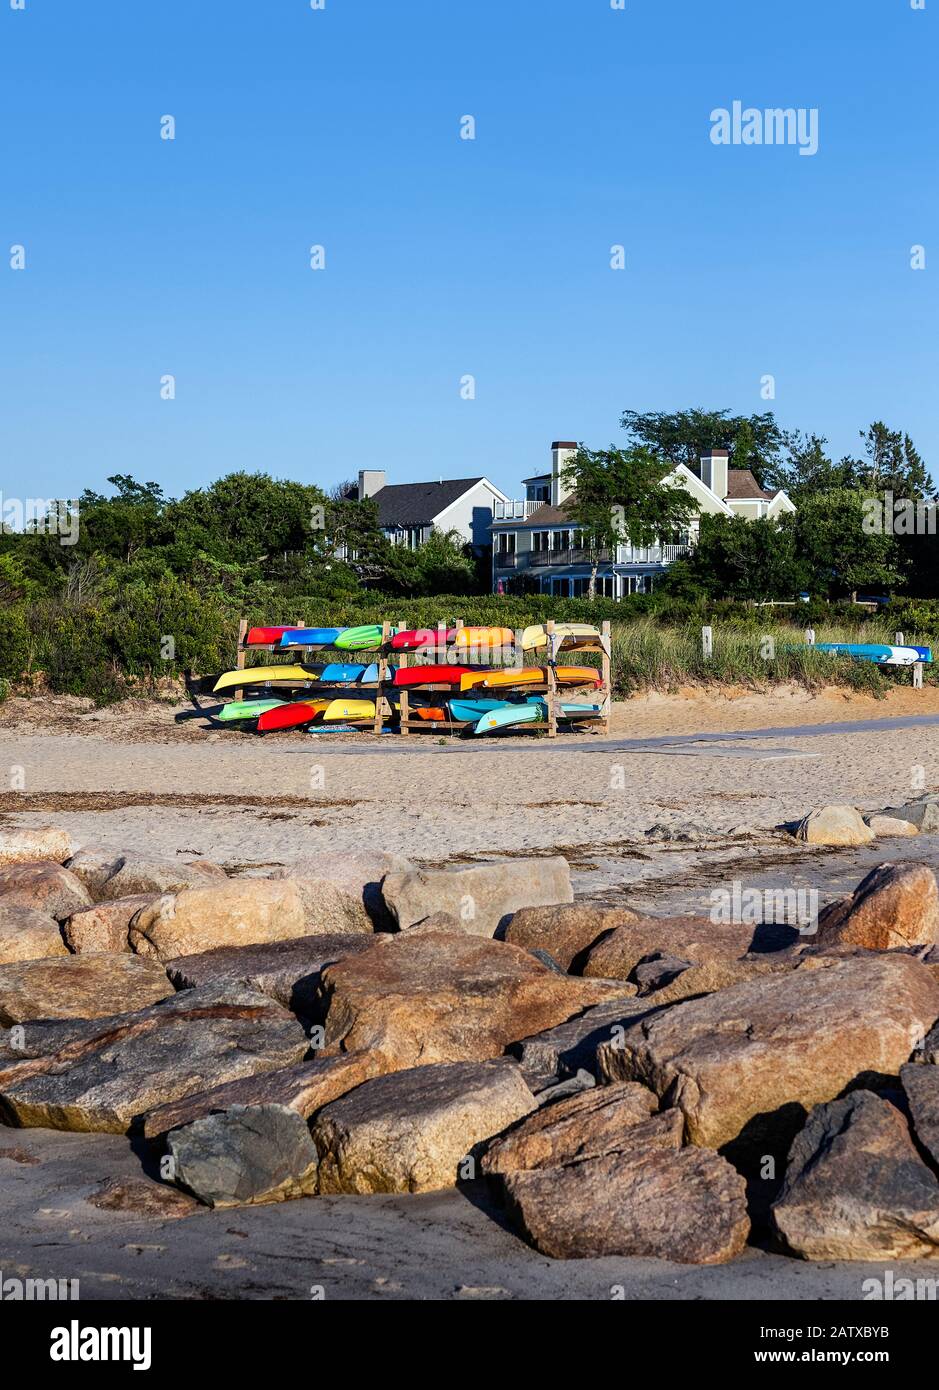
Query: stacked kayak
(883, 654)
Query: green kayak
(247, 709)
(359, 639)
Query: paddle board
(881, 653)
(263, 675)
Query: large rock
(834, 825)
(579, 1126)
(94, 865)
(190, 1042)
(105, 926)
(705, 977)
(566, 930)
(890, 825)
(88, 986)
(305, 1087)
(693, 939)
(26, 934)
(756, 1056)
(895, 905)
(922, 814)
(571, 1046)
(413, 1131)
(236, 912)
(30, 846)
(140, 875)
(855, 1187)
(245, 1156)
(289, 971)
(44, 886)
(921, 1085)
(343, 892)
(447, 998)
(647, 1197)
(482, 896)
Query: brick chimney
(371, 480)
(561, 451)
(714, 471)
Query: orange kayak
(529, 675)
(484, 637)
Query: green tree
(893, 464)
(682, 436)
(740, 559)
(621, 494)
(806, 469)
(840, 555)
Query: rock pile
(625, 1084)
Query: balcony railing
(543, 559)
(516, 510)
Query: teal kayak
(469, 710)
(534, 710)
(879, 652)
(247, 709)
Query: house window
(538, 492)
(539, 540)
(505, 542)
(562, 540)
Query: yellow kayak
(489, 680)
(484, 637)
(570, 634)
(349, 709)
(262, 675)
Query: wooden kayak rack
(407, 722)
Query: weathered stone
(855, 1187)
(566, 930)
(922, 813)
(30, 846)
(413, 1131)
(834, 825)
(647, 1197)
(482, 896)
(343, 892)
(708, 976)
(26, 934)
(94, 865)
(44, 886)
(305, 1087)
(446, 998)
(190, 1042)
(140, 875)
(86, 986)
(553, 1090)
(921, 1086)
(890, 825)
(105, 926)
(579, 1126)
(142, 1197)
(289, 971)
(236, 912)
(566, 1048)
(245, 1156)
(693, 939)
(755, 1056)
(930, 1048)
(437, 921)
(895, 905)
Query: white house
(537, 537)
(408, 512)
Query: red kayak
(421, 637)
(290, 715)
(264, 636)
(430, 675)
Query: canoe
(484, 637)
(430, 675)
(263, 675)
(355, 639)
(291, 715)
(309, 636)
(263, 636)
(246, 709)
(570, 635)
(489, 680)
(879, 652)
(349, 709)
(412, 639)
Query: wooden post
(382, 678)
(898, 638)
(551, 696)
(240, 656)
(917, 675)
(607, 672)
(810, 637)
(404, 703)
(707, 642)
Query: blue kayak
(310, 636)
(881, 653)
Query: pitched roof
(417, 504)
(545, 515)
(742, 484)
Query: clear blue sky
(445, 256)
